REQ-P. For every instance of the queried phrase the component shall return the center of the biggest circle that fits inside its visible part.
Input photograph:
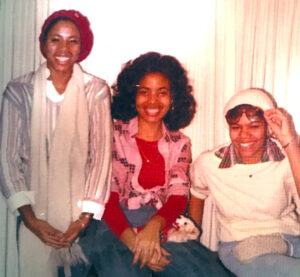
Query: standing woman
(254, 183)
(55, 148)
(150, 183)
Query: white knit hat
(252, 96)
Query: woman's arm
(293, 153)
(196, 208)
(172, 209)
(42, 229)
(178, 182)
(15, 148)
(100, 136)
(282, 125)
(199, 190)
(114, 216)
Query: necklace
(144, 157)
(152, 153)
(256, 172)
(148, 151)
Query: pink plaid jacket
(175, 147)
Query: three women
(55, 155)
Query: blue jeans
(269, 265)
(110, 257)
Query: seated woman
(254, 183)
(150, 183)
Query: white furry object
(183, 230)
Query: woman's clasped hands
(145, 245)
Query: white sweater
(251, 199)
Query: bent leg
(192, 259)
(294, 245)
(109, 256)
(270, 265)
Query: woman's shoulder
(23, 80)
(177, 137)
(96, 85)
(90, 77)
(20, 87)
(121, 127)
(118, 123)
(207, 156)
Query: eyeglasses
(253, 113)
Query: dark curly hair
(183, 102)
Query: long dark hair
(183, 102)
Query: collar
(229, 158)
(131, 129)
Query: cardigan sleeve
(179, 182)
(114, 216)
(97, 188)
(173, 208)
(15, 147)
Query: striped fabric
(15, 126)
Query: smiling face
(62, 47)
(153, 98)
(248, 137)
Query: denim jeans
(110, 257)
(269, 265)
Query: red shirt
(151, 174)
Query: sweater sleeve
(15, 147)
(179, 182)
(199, 188)
(114, 216)
(97, 187)
(174, 207)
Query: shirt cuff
(20, 199)
(198, 194)
(89, 206)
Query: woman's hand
(41, 228)
(147, 242)
(159, 265)
(158, 261)
(76, 227)
(47, 234)
(128, 238)
(281, 125)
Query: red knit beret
(83, 25)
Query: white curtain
(226, 45)
(252, 43)
(19, 25)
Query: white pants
(34, 256)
